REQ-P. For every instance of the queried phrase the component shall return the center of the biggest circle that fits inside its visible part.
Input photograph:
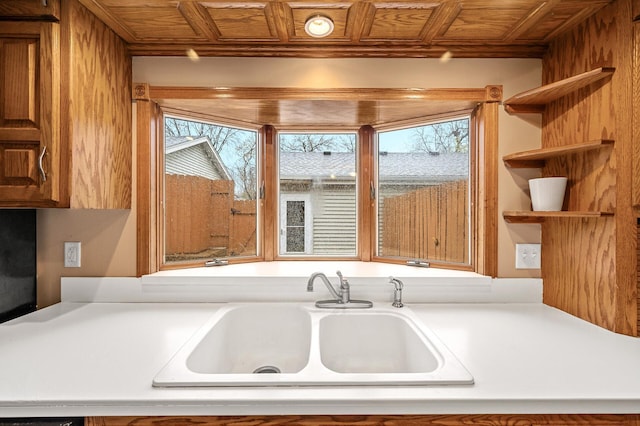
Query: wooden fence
(429, 223)
(202, 219)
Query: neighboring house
(186, 155)
(319, 207)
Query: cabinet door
(29, 113)
(29, 9)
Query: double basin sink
(299, 345)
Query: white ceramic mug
(547, 194)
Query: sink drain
(266, 369)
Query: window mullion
(366, 204)
(269, 203)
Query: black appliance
(17, 262)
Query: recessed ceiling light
(318, 26)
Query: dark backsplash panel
(17, 262)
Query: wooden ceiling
(319, 109)
(363, 28)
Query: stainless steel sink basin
(300, 345)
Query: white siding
(192, 161)
(334, 222)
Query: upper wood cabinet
(29, 113)
(30, 9)
(65, 112)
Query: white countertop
(82, 359)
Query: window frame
(170, 113)
(473, 142)
(337, 130)
(149, 201)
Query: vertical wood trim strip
(157, 201)
(260, 202)
(486, 231)
(626, 319)
(143, 187)
(636, 113)
(271, 226)
(636, 143)
(367, 212)
(147, 231)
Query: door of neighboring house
(295, 224)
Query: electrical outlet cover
(72, 254)
(528, 256)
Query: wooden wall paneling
(381, 420)
(626, 302)
(636, 102)
(588, 265)
(99, 99)
(636, 139)
(578, 277)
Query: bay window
(389, 176)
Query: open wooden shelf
(534, 100)
(537, 157)
(522, 216)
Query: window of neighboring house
(423, 204)
(210, 191)
(317, 194)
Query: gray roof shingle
(393, 166)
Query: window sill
(283, 281)
(278, 270)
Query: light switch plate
(528, 256)
(72, 254)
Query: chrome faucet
(342, 295)
(326, 282)
(397, 292)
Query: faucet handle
(345, 291)
(343, 280)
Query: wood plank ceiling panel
(314, 112)
(363, 28)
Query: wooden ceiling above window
(363, 28)
(294, 108)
